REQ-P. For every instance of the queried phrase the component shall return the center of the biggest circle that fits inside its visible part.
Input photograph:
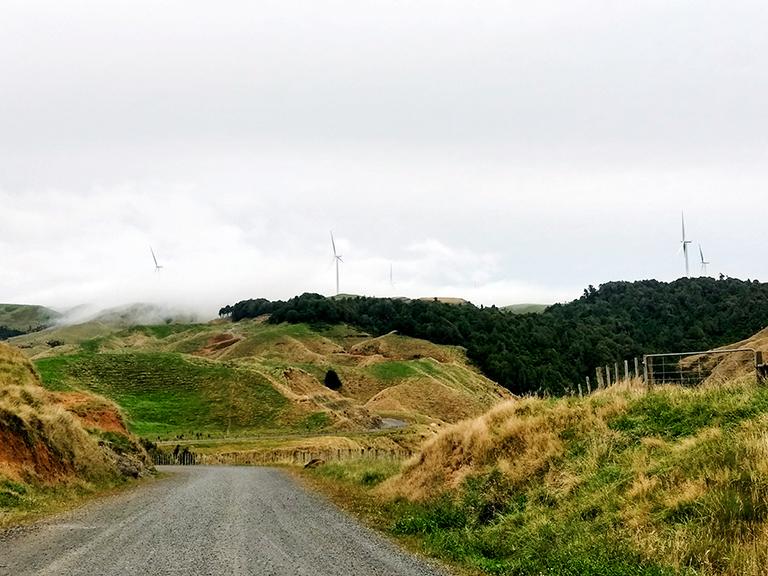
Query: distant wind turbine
(684, 247)
(337, 259)
(704, 263)
(391, 279)
(157, 266)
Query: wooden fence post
(626, 370)
(580, 394)
(608, 375)
(637, 368)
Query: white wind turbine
(704, 263)
(157, 266)
(684, 247)
(337, 259)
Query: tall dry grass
(40, 441)
(674, 476)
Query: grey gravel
(207, 521)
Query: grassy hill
(26, 318)
(627, 481)
(56, 446)
(525, 308)
(254, 378)
(552, 351)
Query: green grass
(393, 370)
(168, 394)
(24, 503)
(314, 422)
(671, 413)
(161, 331)
(671, 481)
(367, 473)
(487, 526)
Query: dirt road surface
(217, 521)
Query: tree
(332, 380)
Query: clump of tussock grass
(44, 447)
(625, 481)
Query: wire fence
(681, 368)
(696, 368)
(278, 456)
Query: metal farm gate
(694, 368)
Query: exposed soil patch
(217, 343)
(93, 412)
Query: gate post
(761, 369)
(647, 370)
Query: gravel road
(206, 521)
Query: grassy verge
(464, 531)
(627, 482)
(25, 503)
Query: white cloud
(495, 151)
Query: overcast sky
(498, 151)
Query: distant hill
(526, 308)
(138, 313)
(552, 351)
(26, 318)
(253, 377)
(444, 300)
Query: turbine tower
(704, 263)
(337, 259)
(157, 266)
(684, 244)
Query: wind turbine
(157, 266)
(337, 259)
(704, 263)
(684, 246)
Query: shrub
(332, 380)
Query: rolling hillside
(254, 378)
(56, 446)
(625, 482)
(26, 318)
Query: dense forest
(552, 351)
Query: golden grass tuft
(40, 440)
(690, 495)
(522, 437)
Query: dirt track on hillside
(206, 520)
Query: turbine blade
(682, 220)
(153, 255)
(701, 253)
(333, 243)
